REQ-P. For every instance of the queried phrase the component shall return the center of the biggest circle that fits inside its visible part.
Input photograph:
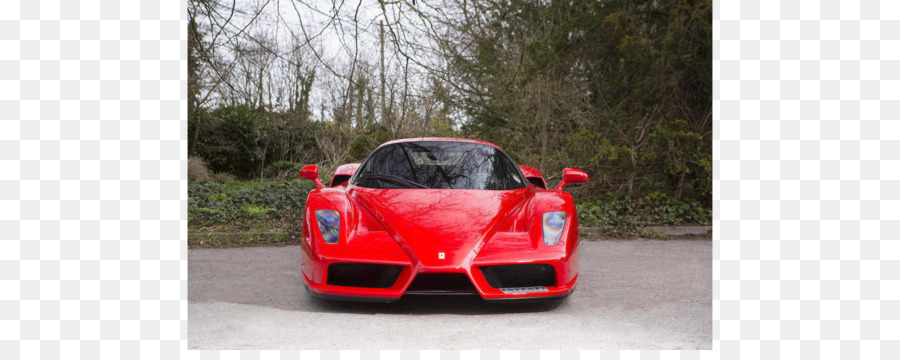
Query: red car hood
(426, 222)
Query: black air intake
(538, 182)
(441, 284)
(363, 275)
(519, 275)
(339, 179)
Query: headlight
(329, 225)
(553, 223)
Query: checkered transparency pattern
(92, 211)
(806, 98)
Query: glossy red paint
(572, 176)
(410, 227)
(342, 173)
(311, 172)
(532, 173)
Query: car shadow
(431, 304)
(289, 295)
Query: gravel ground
(634, 294)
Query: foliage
(623, 214)
(283, 170)
(244, 202)
(233, 140)
(197, 169)
(244, 142)
(367, 140)
(618, 88)
(255, 211)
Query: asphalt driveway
(631, 294)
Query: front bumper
(477, 270)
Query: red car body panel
(342, 174)
(447, 231)
(533, 175)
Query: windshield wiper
(393, 179)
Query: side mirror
(311, 172)
(572, 176)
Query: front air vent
(363, 275)
(519, 275)
(441, 284)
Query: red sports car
(439, 216)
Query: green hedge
(217, 203)
(622, 214)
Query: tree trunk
(384, 118)
(197, 125)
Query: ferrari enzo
(439, 216)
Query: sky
(337, 31)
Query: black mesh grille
(363, 275)
(441, 284)
(519, 275)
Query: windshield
(439, 165)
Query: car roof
(439, 139)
